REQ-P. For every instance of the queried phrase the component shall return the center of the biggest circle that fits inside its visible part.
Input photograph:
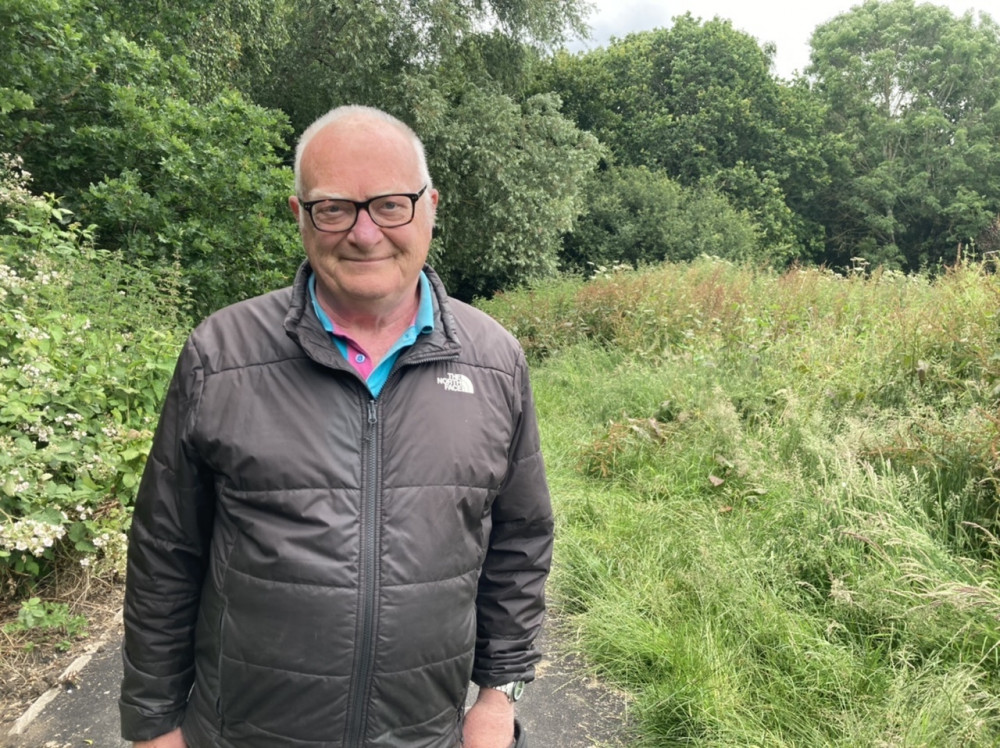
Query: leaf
(716, 480)
(50, 515)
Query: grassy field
(777, 498)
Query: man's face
(368, 269)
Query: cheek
(316, 246)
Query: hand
(489, 723)
(172, 739)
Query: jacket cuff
(146, 709)
(138, 724)
(494, 681)
(504, 664)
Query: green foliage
(914, 91)
(65, 68)
(111, 125)
(657, 99)
(203, 184)
(637, 216)
(385, 45)
(226, 43)
(508, 191)
(87, 344)
(49, 617)
(698, 102)
(130, 115)
(129, 111)
(776, 497)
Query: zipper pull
(372, 413)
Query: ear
(293, 203)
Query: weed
(46, 617)
(776, 500)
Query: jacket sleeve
(167, 559)
(510, 604)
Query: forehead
(360, 158)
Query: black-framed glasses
(335, 216)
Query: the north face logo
(457, 383)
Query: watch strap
(512, 690)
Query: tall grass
(777, 498)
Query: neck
(371, 320)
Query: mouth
(365, 259)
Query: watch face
(517, 688)
(512, 690)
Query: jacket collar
(302, 326)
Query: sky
(786, 23)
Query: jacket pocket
(285, 659)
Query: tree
(637, 216)
(509, 190)
(914, 91)
(368, 51)
(105, 122)
(510, 167)
(134, 117)
(699, 102)
(204, 184)
(226, 43)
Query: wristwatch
(511, 690)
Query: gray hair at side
(354, 111)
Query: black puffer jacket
(327, 569)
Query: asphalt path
(565, 707)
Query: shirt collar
(425, 312)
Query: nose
(365, 232)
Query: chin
(371, 292)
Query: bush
(641, 217)
(87, 345)
(203, 184)
(164, 168)
(508, 191)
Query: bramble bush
(87, 345)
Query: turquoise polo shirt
(376, 378)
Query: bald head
(363, 119)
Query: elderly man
(344, 516)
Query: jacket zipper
(368, 585)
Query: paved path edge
(68, 675)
